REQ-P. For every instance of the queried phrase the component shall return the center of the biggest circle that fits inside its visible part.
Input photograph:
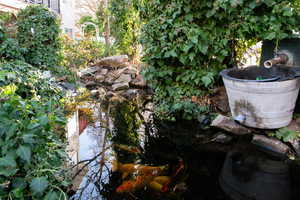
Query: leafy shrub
(186, 43)
(10, 50)
(31, 149)
(78, 54)
(38, 33)
(126, 26)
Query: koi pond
(129, 154)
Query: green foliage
(11, 50)
(126, 124)
(186, 43)
(32, 151)
(285, 134)
(126, 25)
(78, 54)
(38, 33)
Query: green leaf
(270, 36)
(33, 126)
(206, 81)
(43, 120)
(39, 185)
(171, 53)
(24, 153)
(287, 12)
(203, 48)
(8, 161)
(28, 138)
(52, 195)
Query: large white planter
(266, 105)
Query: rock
(88, 71)
(124, 78)
(130, 70)
(138, 82)
(120, 86)
(130, 94)
(222, 138)
(103, 71)
(219, 100)
(110, 94)
(271, 145)
(94, 93)
(296, 145)
(230, 125)
(100, 78)
(90, 84)
(102, 93)
(114, 61)
(67, 86)
(110, 79)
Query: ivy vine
(38, 33)
(186, 43)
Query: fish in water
(138, 169)
(160, 183)
(155, 183)
(132, 185)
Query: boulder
(130, 70)
(113, 61)
(230, 125)
(88, 71)
(103, 71)
(271, 145)
(90, 84)
(124, 78)
(130, 94)
(110, 78)
(120, 86)
(100, 78)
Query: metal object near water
(282, 57)
(253, 177)
(265, 104)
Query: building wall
(68, 19)
(11, 5)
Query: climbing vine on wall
(186, 43)
(38, 31)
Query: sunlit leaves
(30, 145)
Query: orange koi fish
(130, 168)
(160, 183)
(132, 185)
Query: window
(52, 4)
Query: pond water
(137, 157)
